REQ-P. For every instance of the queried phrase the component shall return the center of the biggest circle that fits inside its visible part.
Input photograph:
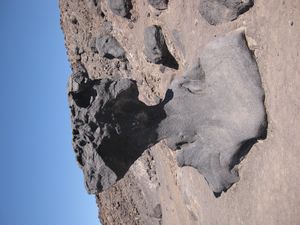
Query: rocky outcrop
(112, 128)
(159, 140)
(159, 4)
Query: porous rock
(111, 127)
(219, 11)
(108, 47)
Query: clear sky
(41, 183)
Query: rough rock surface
(155, 190)
(219, 11)
(214, 114)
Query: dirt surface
(155, 190)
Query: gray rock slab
(219, 11)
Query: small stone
(159, 4)
(109, 47)
(120, 7)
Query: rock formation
(213, 114)
(167, 109)
(217, 111)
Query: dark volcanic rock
(217, 111)
(111, 127)
(159, 4)
(212, 116)
(156, 50)
(108, 46)
(120, 7)
(219, 11)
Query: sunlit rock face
(212, 116)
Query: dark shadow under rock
(156, 50)
(219, 11)
(212, 116)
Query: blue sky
(41, 183)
